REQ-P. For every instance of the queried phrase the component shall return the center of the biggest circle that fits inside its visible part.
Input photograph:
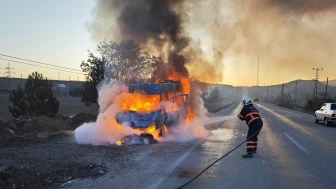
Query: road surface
(293, 152)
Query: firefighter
(252, 117)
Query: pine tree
(35, 99)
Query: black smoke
(151, 19)
(177, 63)
(155, 22)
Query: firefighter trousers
(252, 142)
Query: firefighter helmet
(247, 101)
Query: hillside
(331, 82)
(305, 90)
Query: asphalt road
(293, 152)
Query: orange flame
(185, 82)
(150, 130)
(119, 142)
(140, 102)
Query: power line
(40, 66)
(39, 62)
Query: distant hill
(331, 82)
(305, 90)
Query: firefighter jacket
(249, 113)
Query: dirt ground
(56, 161)
(36, 160)
(68, 106)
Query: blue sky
(47, 31)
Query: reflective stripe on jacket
(249, 113)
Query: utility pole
(267, 94)
(316, 82)
(282, 93)
(295, 94)
(258, 73)
(8, 73)
(326, 92)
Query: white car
(326, 113)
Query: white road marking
(173, 166)
(269, 119)
(289, 112)
(297, 144)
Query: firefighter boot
(247, 155)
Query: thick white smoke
(106, 130)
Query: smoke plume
(159, 27)
(288, 36)
(222, 39)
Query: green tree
(128, 62)
(36, 98)
(94, 68)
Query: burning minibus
(157, 107)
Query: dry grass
(68, 106)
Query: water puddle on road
(218, 136)
(219, 142)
